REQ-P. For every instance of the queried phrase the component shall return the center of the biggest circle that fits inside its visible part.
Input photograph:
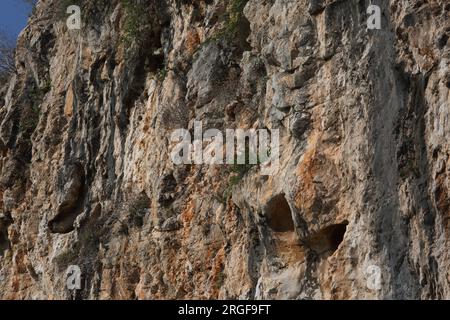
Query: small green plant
(31, 117)
(239, 171)
(161, 74)
(232, 20)
(233, 28)
(235, 16)
(136, 20)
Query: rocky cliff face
(358, 207)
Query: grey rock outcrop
(362, 189)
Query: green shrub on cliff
(136, 20)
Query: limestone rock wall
(362, 189)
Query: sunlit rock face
(357, 208)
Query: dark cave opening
(328, 239)
(279, 214)
(335, 234)
(5, 221)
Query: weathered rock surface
(364, 176)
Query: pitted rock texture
(363, 182)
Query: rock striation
(358, 207)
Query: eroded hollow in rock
(327, 240)
(70, 188)
(279, 214)
(5, 222)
